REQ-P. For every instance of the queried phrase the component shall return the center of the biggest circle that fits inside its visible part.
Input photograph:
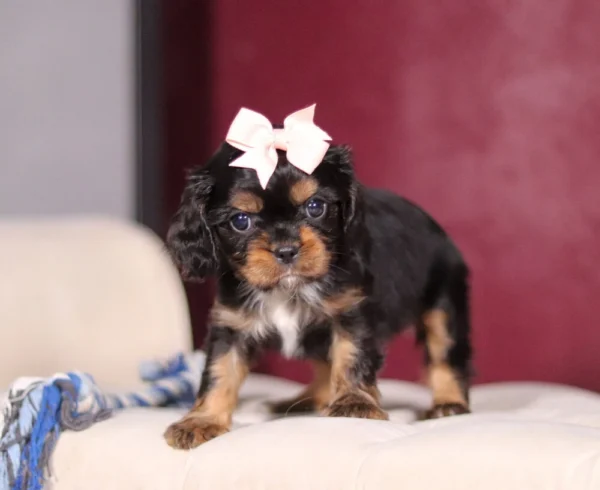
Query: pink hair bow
(304, 142)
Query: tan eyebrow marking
(303, 190)
(246, 201)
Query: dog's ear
(351, 207)
(190, 239)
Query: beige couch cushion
(522, 437)
(90, 294)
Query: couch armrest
(91, 294)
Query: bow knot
(303, 141)
(280, 139)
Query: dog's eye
(241, 222)
(315, 208)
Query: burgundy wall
(485, 112)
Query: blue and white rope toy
(37, 410)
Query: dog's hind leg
(445, 329)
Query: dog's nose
(286, 254)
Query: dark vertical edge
(188, 37)
(149, 117)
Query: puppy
(321, 268)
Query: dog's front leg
(225, 370)
(355, 360)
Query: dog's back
(407, 246)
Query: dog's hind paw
(446, 410)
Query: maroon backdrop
(485, 112)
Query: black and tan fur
(372, 265)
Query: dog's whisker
(295, 404)
(333, 266)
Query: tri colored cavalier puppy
(314, 264)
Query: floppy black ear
(190, 239)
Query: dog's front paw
(190, 432)
(355, 405)
(446, 410)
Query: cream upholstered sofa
(98, 295)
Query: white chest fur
(286, 313)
